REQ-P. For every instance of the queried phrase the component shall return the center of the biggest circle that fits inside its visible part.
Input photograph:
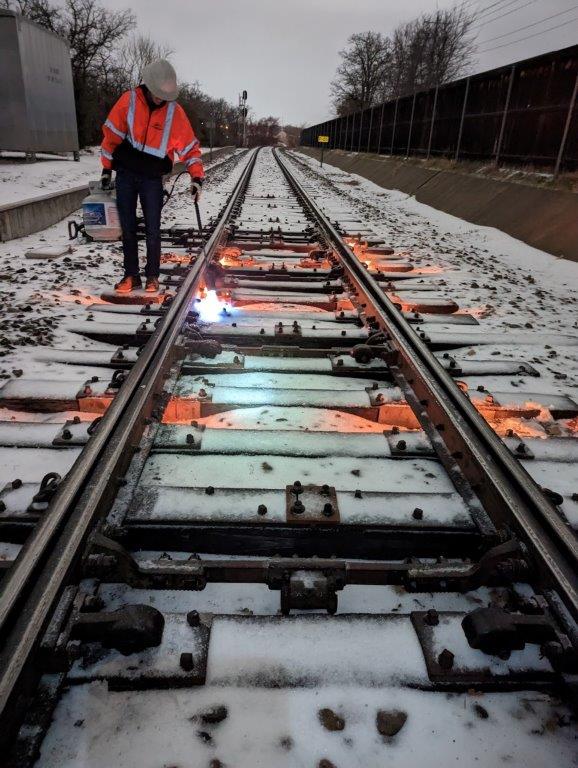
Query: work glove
(196, 187)
(106, 178)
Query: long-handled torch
(198, 218)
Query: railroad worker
(142, 134)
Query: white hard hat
(161, 80)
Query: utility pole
(243, 113)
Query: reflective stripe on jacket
(161, 132)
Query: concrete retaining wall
(544, 218)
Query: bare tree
(359, 78)
(138, 52)
(263, 132)
(40, 11)
(290, 135)
(431, 50)
(422, 53)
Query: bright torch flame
(210, 307)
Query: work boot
(127, 284)
(152, 285)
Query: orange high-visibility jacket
(160, 132)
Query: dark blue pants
(130, 186)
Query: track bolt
(357, 494)
(66, 434)
(328, 509)
(379, 398)
(92, 603)
(556, 498)
(520, 448)
(446, 659)
(298, 508)
(16, 483)
(187, 662)
(395, 430)
(297, 487)
(262, 509)
(193, 619)
(344, 333)
(417, 514)
(76, 420)
(325, 489)
(262, 332)
(401, 445)
(209, 490)
(202, 393)
(339, 362)
(432, 618)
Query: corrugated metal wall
(523, 113)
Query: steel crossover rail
(511, 497)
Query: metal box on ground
(36, 93)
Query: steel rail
(510, 495)
(32, 587)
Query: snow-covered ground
(20, 180)
(42, 300)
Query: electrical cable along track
(291, 539)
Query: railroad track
(285, 519)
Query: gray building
(36, 92)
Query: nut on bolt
(193, 619)
(446, 659)
(298, 508)
(328, 509)
(432, 618)
(187, 662)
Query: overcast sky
(284, 52)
